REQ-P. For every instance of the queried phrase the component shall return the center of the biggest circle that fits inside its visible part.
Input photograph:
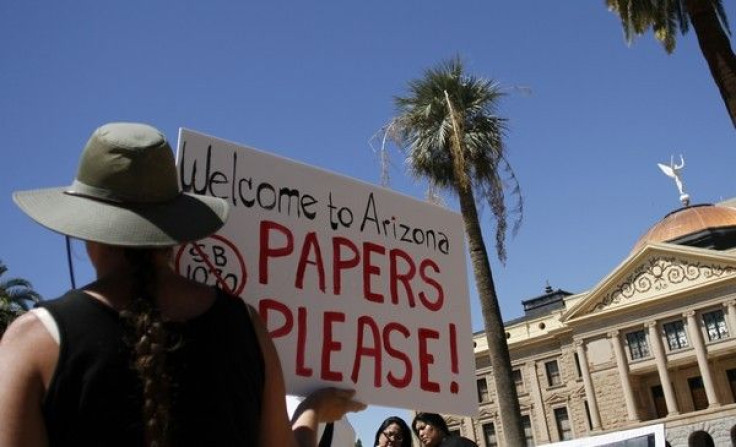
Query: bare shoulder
(25, 330)
(27, 347)
(28, 356)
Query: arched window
(700, 439)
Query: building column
(595, 419)
(661, 361)
(536, 391)
(702, 355)
(623, 371)
(731, 315)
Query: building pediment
(453, 420)
(656, 271)
(558, 397)
(487, 413)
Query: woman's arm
(28, 356)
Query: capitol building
(654, 342)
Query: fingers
(332, 404)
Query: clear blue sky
(314, 81)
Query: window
(715, 324)
(587, 415)
(660, 404)
(518, 381)
(553, 373)
(676, 337)
(697, 393)
(455, 432)
(489, 435)
(638, 345)
(528, 432)
(483, 390)
(731, 374)
(577, 366)
(563, 424)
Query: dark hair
(150, 344)
(405, 432)
(432, 419)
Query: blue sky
(589, 116)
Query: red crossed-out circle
(211, 267)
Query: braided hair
(150, 344)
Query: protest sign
(359, 286)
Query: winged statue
(674, 171)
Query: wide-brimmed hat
(126, 193)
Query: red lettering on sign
(309, 248)
(267, 251)
(330, 345)
(440, 299)
(369, 269)
(339, 263)
(426, 359)
(398, 382)
(373, 351)
(404, 278)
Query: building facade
(653, 342)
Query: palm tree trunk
(716, 48)
(508, 402)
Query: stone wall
(719, 428)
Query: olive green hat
(126, 193)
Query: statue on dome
(674, 171)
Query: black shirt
(95, 397)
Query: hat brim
(187, 218)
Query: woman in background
(393, 432)
(432, 431)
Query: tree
(358, 443)
(448, 128)
(667, 17)
(16, 297)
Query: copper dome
(698, 225)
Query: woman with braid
(143, 356)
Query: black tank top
(95, 399)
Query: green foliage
(451, 133)
(16, 297)
(358, 443)
(665, 18)
(448, 127)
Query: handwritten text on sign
(359, 286)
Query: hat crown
(127, 162)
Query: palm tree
(449, 130)
(667, 17)
(16, 297)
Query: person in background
(393, 432)
(143, 356)
(432, 431)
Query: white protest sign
(359, 287)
